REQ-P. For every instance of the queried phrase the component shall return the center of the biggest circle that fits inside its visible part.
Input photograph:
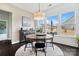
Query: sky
(53, 18)
(64, 18)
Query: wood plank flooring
(68, 51)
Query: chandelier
(38, 15)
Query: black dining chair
(50, 40)
(40, 43)
(27, 41)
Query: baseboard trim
(15, 42)
(66, 45)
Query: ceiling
(34, 7)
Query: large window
(64, 25)
(68, 23)
(40, 26)
(52, 22)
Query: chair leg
(25, 47)
(44, 51)
(52, 45)
(36, 51)
(32, 45)
(46, 44)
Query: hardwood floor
(14, 48)
(68, 51)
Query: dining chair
(40, 43)
(27, 41)
(50, 40)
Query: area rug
(30, 52)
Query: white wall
(77, 21)
(58, 10)
(16, 19)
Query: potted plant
(77, 38)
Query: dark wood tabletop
(33, 36)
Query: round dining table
(32, 37)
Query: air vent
(49, 4)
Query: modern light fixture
(39, 15)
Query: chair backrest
(25, 36)
(52, 35)
(40, 38)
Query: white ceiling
(34, 7)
